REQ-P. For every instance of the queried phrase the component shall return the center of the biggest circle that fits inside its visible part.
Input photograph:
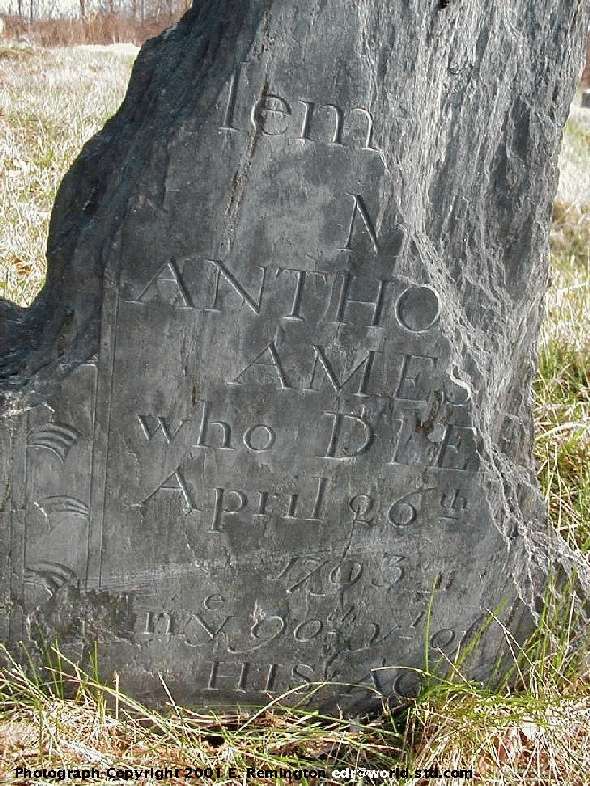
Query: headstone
(269, 422)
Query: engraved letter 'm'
(366, 364)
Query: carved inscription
(406, 377)
(224, 504)
(326, 622)
(277, 678)
(249, 676)
(385, 304)
(310, 121)
(197, 629)
(342, 438)
(328, 412)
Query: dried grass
(52, 101)
(96, 28)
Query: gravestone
(269, 421)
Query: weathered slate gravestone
(269, 421)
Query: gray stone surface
(269, 423)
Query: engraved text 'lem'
(308, 120)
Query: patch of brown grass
(97, 28)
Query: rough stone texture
(269, 420)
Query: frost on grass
(52, 101)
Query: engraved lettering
(319, 499)
(158, 624)
(346, 574)
(346, 300)
(221, 271)
(442, 638)
(453, 505)
(320, 577)
(370, 123)
(167, 283)
(418, 619)
(342, 618)
(415, 378)
(263, 631)
(303, 673)
(275, 365)
(360, 208)
(402, 513)
(362, 505)
(268, 115)
(338, 121)
(151, 426)
(364, 637)
(263, 503)
(189, 626)
(213, 600)
(223, 432)
(270, 677)
(292, 507)
(262, 509)
(340, 435)
(366, 364)
(223, 505)
(459, 449)
(215, 675)
(300, 276)
(197, 621)
(393, 562)
(308, 576)
(175, 483)
(308, 630)
(418, 308)
(414, 445)
(307, 116)
(259, 438)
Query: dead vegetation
(96, 28)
